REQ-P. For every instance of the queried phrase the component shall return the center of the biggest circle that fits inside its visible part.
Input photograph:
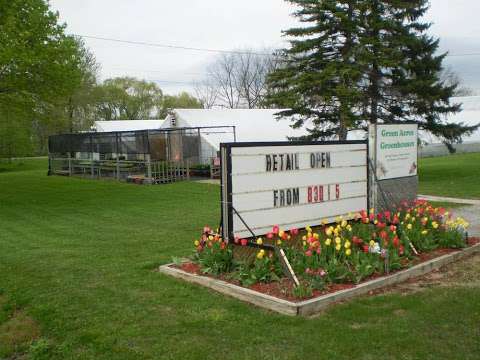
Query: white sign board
(396, 150)
(290, 184)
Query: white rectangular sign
(396, 150)
(290, 184)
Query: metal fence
(153, 156)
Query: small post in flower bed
(287, 268)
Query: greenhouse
(143, 156)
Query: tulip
(275, 229)
(338, 247)
(328, 241)
(294, 231)
(348, 252)
(409, 226)
(366, 249)
(396, 241)
(347, 244)
(279, 242)
(244, 242)
(270, 235)
(259, 241)
(281, 233)
(338, 240)
(308, 253)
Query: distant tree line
(49, 83)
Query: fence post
(118, 160)
(69, 164)
(92, 171)
(188, 170)
(149, 170)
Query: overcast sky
(227, 25)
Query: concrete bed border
(315, 305)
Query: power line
(170, 46)
(467, 54)
(143, 43)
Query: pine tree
(317, 78)
(369, 61)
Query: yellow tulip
(308, 228)
(279, 242)
(260, 254)
(304, 238)
(348, 252)
(260, 241)
(338, 247)
(424, 232)
(315, 236)
(328, 241)
(372, 243)
(435, 225)
(338, 240)
(329, 231)
(281, 233)
(210, 238)
(347, 244)
(409, 226)
(196, 243)
(344, 223)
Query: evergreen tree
(364, 61)
(317, 79)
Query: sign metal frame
(228, 212)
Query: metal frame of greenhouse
(143, 156)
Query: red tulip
(294, 231)
(366, 249)
(244, 242)
(396, 241)
(275, 229)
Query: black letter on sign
(268, 159)
(296, 196)
(275, 163)
(312, 160)
(275, 198)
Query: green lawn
(78, 281)
(453, 176)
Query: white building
(243, 125)
(126, 125)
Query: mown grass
(453, 176)
(79, 258)
(447, 205)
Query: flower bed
(333, 257)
